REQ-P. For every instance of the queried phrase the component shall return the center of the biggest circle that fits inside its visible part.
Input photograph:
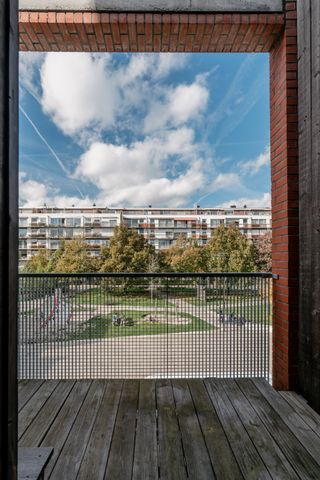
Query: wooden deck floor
(178, 429)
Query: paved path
(229, 351)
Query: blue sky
(139, 129)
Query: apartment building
(46, 227)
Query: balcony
(39, 235)
(199, 429)
(157, 376)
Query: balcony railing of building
(86, 326)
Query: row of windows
(69, 231)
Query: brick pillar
(285, 202)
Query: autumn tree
(186, 256)
(127, 252)
(38, 263)
(230, 251)
(73, 257)
(263, 252)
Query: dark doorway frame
(147, 31)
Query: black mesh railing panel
(144, 325)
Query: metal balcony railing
(145, 325)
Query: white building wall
(45, 227)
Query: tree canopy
(227, 251)
(230, 251)
(262, 253)
(38, 263)
(127, 252)
(73, 257)
(186, 256)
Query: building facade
(41, 228)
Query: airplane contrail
(60, 163)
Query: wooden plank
(171, 458)
(222, 458)
(96, 455)
(59, 429)
(300, 459)
(195, 450)
(35, 403)
(246, 455)
(69, 460)
(299, 428)
(32, 462)
(271, 454)
(26, 388)
(145, 462)
(34, 434)
(122, 446)
(300, 405)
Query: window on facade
(55, 244)
(57, 221)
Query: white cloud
(140, 172)
(85, 94)
(180, 105)
(31, 192)
(226, 181)
(168, 62)
(34, 194)
(29, 65)
(155, 66)
(254, 166)
(79, 91)
(158, 191)
(259, 202)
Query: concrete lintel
(155, 5)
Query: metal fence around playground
(86, 326)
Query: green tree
(186, 256)
(72, 257)
(230, 251)
(38, 263)
(128, 252)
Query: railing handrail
(160, 274)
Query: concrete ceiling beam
(249, 6)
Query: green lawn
(99, 297)
(102, 327)
(255, 310)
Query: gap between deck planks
(169, 429)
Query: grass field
(99, 297)
(252, 310)
(102, 327)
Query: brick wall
(124, 32)
(285, 211)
